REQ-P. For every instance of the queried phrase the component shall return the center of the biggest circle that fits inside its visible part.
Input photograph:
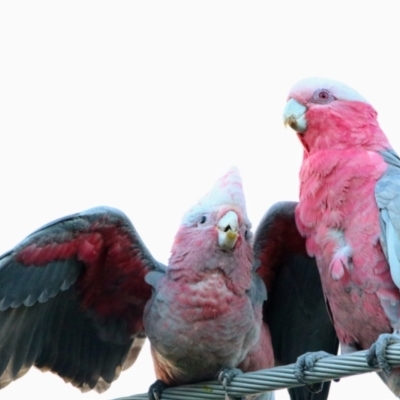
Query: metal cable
(276, 378)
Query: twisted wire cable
(271, 379)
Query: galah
(349, 215)
(80, 295)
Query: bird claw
(376, 356)
(225, 378)
(306, 362)
(156, 389)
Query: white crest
(228, 190)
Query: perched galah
(80, 295)
(349, 213)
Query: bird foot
(156, 389)
(376, 356)
(225, 378)
(306, 362)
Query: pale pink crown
(228, 190)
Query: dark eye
(322, 96)
(248, 235)
(203, 219)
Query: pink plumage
(202, 303)
(80, 295)
(345, 158)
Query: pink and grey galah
(349, 213)
(80, 295)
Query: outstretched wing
(72, 296)
(295, 311)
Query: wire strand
(271, 379)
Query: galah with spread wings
(80, 295)
(349, 213)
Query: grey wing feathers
(296, 311)
(52, 299)
(34, 284)
(387, 195)
(56, 336)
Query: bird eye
(248, 234)
(322, 96)
(203, 219)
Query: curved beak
(228, 230)
(294, 116)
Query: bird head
(216, 229)
(328, 114)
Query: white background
(143, 105)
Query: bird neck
(344, 125)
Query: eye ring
(322, 96)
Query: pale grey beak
(294, 116)
(228, 230)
